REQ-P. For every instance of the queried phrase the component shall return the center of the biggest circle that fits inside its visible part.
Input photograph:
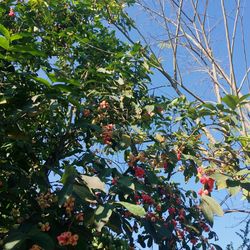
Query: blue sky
(153, 31)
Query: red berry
(203, 180)
(139, 172)
(180, 234)
(193, 241)
(200, 170)
(210, 184)
(11, 13)
(174, 223)
(171, 210)
(206, 228)
(158, 208)
(147, 199)
(114, 181)
(165, 165)
(178, 155)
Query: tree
(211, 37)
(204, 42)
(89, 155)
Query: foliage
(88, 155)
(244, 235)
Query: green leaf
(221, 180)
(63, 87)
(4, 43)
(153, 178)
(233, 190)
(150, 229)
(150, 242)
(244, 97)
(126, 140)
(243, 172)
(245, 185)
(192, 228)
(218, 177)
(245, 195)
(65, 192)
(84, 193)
(213, 204)
(217, 247)
(69, 174)
(134, 209)
(160, 138)
(14, 241)
(209, 106)
(74, 101)
(4, 32)
(42, 80)
(16, 37)
(102, 216)
(208, 214)
(3, 100)
(42, 239)
(55, 79)
(150, 108)
(19, 36)
(233, 183)
(231, 101)
(115, 223)
(93, 182)
(27, 49)
(127, 228)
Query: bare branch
(230, 55)
(243, 80)
(235, 26)
(227, 211)
(244, 49)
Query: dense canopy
(90, 155)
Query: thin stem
(230, 55)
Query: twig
(227, 211)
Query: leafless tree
(206, 40)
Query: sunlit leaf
(93, 182)
(213, 204)
(134, 209)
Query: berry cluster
(178, 154)
(147, 199)
(80, 216)
(107, 132)
(206, 181)
(44, 227)
(69, 205)
(67, 238)
(45, 200)
(132, 159)
(171, 211)
(139, 172)
(86, 112)
(204, 226)
(152, 216)
(104, 105)
(114, 181)
(11, 12)
(35, 247)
